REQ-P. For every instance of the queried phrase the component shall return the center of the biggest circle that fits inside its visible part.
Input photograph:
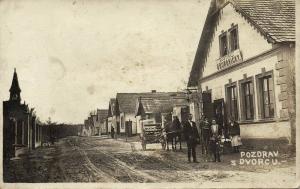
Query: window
(122, 122)
(267, 97)
(265, 88)
(223, 44)
(247, 98)
(229, 41)
(234, 39)
(232, 102)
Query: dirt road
(95, 159)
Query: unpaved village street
(101, 159)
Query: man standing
(112, 132)
(192, 137)
(205, 127)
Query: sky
(73, 56)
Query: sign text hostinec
(229, 60)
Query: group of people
(213, 135)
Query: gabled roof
(15, 83)
(275, 19)
(127, 101)
(152, 105)
(102, 114)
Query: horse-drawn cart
(152, 133)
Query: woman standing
(234, 130)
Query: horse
(173, 132)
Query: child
(234, 129)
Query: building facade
(245, 66)
(20, 129)
(161, 109)
(101, 117)
(113, 117)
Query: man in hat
(192, 137)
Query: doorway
(220, 113)
(118, 128)
(207, 105)
(128, 128)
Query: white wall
(131, 117)
(251, 42)
(138, 124)
(109, 124)
(272, 130)
(218, 85)
(128, 117)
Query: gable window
(232, 101)
(234, 44)
(266, 95)
(229, 41)
(247, 99)
(223, 44)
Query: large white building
(244, 66)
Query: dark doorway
(207, 105)
(128, 128)
(219, 113)
(118, 128)
(219, 110)
(184, 113)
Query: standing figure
(112, 132)
(205, 126)
(215, 141)
(176, 127)
(234, 130)
(192, 137)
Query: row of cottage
(244, 68)
(127, 111)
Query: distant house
(112, 121)
(89, 127)
(86, 129)
(153, 109)
(126, 105)
(94, 124)
(101, 118)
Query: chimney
(153, 91)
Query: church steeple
(15, 88)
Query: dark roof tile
(127, 101)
